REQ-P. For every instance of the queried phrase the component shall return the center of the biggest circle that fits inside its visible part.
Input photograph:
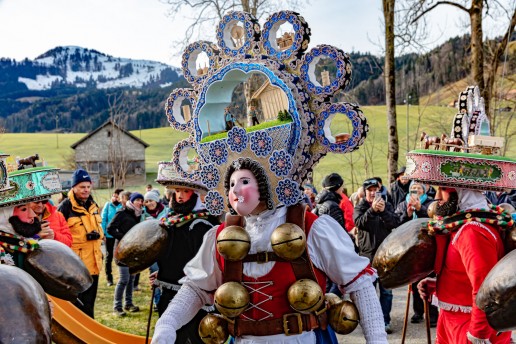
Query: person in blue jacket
(108, 212)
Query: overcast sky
(140, 29)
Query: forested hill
(73, 85)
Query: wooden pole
(427, 321)
(405, 320)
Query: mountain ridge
(67, 88)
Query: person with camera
(53, 223)
(83, 217)
(125, 219)
(375, 218)
(399, 187)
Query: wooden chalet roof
(109, 122)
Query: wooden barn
(114, 153)
(272, 100)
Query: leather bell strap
(289, 324)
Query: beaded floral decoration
(289, 150)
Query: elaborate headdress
(468, 158)
(30, 185)
(287, 151)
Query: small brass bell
(432, 208)
(332, 299)
(213, 329)
(231, 299)
(288, 241)
(305, 296)
(233, 243)
(343, 317)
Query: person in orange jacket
(55, 226)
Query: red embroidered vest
(269, 293)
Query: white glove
(183, 307)
(371, 316)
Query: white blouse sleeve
(332, 251)
(203, 270)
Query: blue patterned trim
(343, 65)
(190, 52)
(179, 94)
(210, 176)
(237, 139)
(280, 163)
(218, 152)
(301, 35)
(214, 203)
(358, 120)
(261, 143)
(288, 192)
(176, 159)
(251, 32)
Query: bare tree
(205, 14)
(390, 89)
(121, 105)
(477, 10)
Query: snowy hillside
(82, 67)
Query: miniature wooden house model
(285, 41)
(272, 100)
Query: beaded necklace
(17, 243)
(174, 219)
(494, 216)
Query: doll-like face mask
(244, 195)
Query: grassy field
(369, 160)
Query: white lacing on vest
(453, 307)
(256, 287)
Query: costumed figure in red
(469, 234)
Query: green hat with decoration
(469, 158)
(29, 185)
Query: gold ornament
(305, 296)
(432, 208)
(213, 329)
(231, 299)
(288, 241)
(343, 317)
(233, 243)
(332, 299)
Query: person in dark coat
(186, 223)
(327, 201)
(125, 219)
(497, 198)
(400, 187)
(415, 206)
(375, 219)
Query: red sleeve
(347, 209)
(478, 246)
(61, 230)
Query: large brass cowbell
(233, 243)
(288, 241)
(231, 299)
(213, 329)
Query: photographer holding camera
(83, 217)
(374, 217)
